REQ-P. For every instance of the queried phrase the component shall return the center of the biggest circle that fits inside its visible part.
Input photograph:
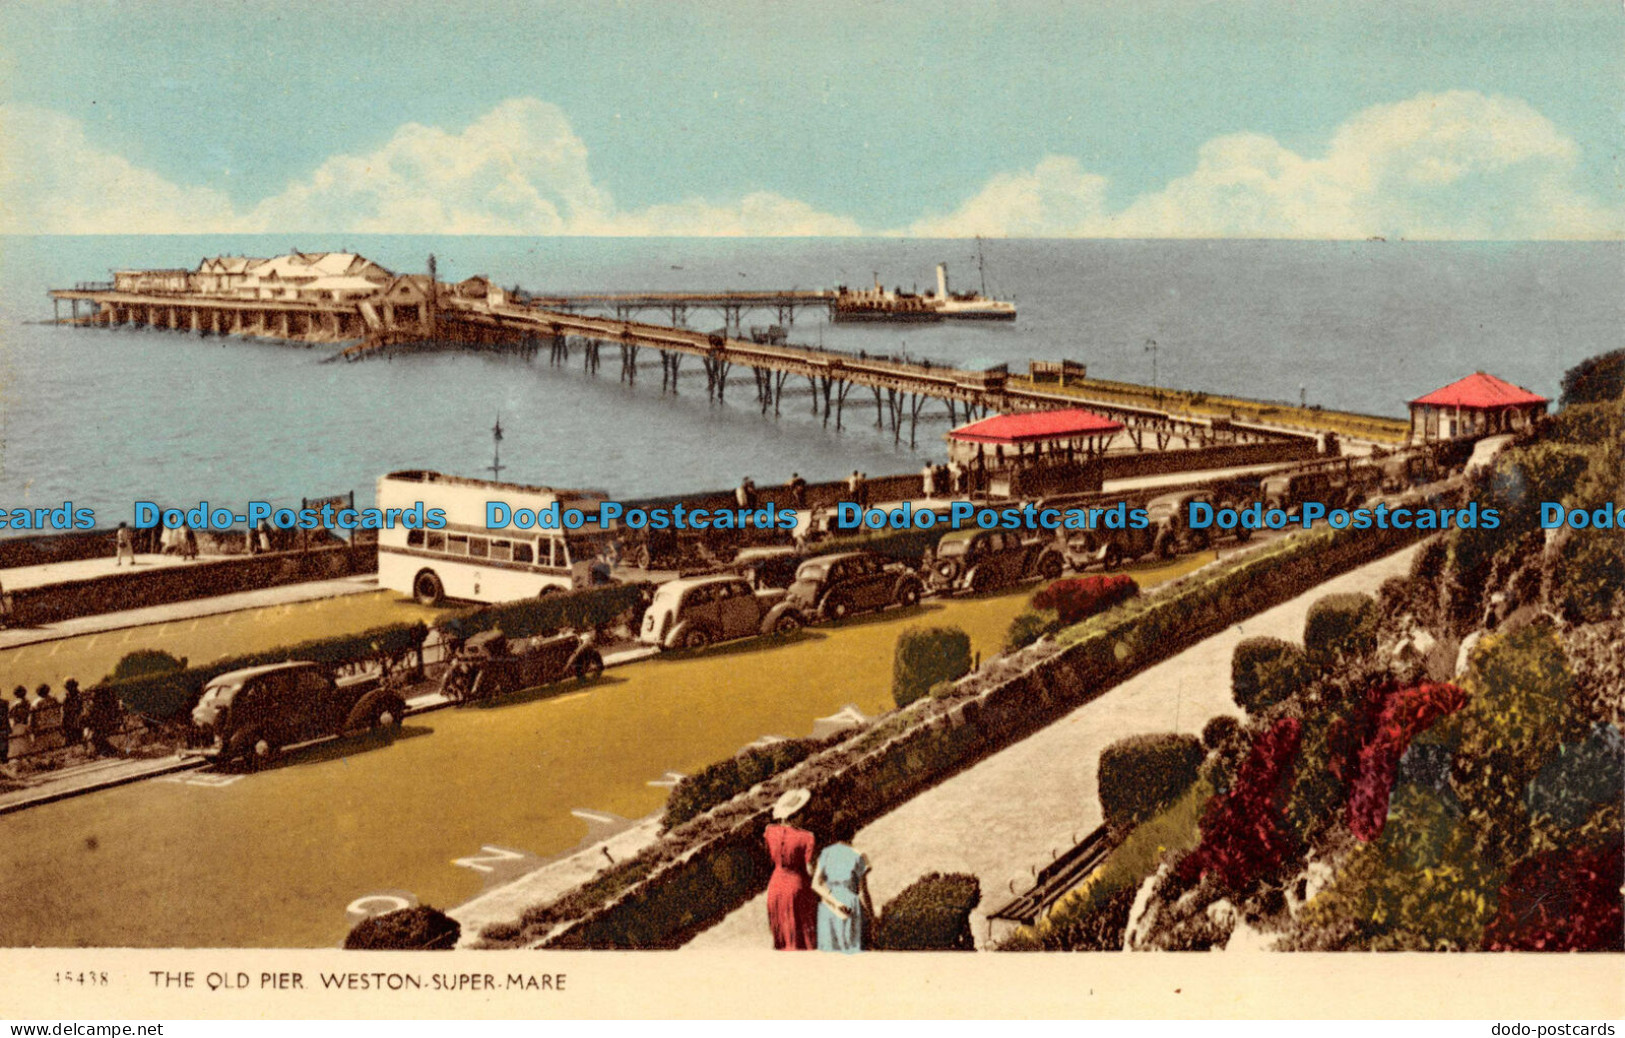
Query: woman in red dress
(792, 907)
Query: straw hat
(790, 803)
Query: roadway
(463, 799)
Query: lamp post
(1151, 348)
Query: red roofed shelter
(1032, 452)
(1477, 405)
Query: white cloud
(518, 169)
(53, 180)
(1056, 199)
(1457, 165)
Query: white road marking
(488, 859)
(593, 816)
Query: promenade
(1010, 814)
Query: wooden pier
(416, 312)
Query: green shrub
(1589, 424)
(1220, 731)
(144, 663)
(1588, 575)
(1028, 626)
(1340, 625)
(1595, 379)
(408, 929)
(925, 656)
(720, 782)
(931, 914)
(1265, 671)
(1143, 774)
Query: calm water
(106, 418)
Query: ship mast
(980, 268)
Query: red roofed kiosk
(1034, 452)
(1477, 405)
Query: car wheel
(549, 591)
(389, 714)
(908, 596)
(696, 638)
(1050, 566)
(786, 625)
(262, 753)
(1113, 557)
(589, 666)
(427, 589)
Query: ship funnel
(942, 281)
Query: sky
(1450, 119)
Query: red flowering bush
(1564, 900)
(1244, 833)
(1078, 598)
(1406, 714)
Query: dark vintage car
(489, 664)
(1170, 523)
(251, 715)
(833, 587)
(1289, 491)
(769, 567)
(982, 560)
(694, 612)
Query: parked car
(833, 587)
(489, 664)
(769, 567)
(694, 612)
(982, 560)
(1170, 523)
(252, 714)
(1288, 492)
(1106, 547)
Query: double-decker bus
(469, 560)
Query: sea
(107, 418)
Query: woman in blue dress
(841, 882)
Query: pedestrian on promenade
(863, 490)
(841, 881)
(928, 481)
(798, 490)
(73, 710)
(264, 536)
(45, 719)
(852, 482)
(188, 543)
(956, 476)
(100, 721)
(125, 542)
(791, 905)
(19, 709)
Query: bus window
(414, 538)
(479, 547)
(457, 543)
(435, 541)
(561, 554)
(522, 552)
(501, 551)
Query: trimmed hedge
(1265, 671)
(170, 694)
(726, 779)
(931, 914)
(1143, 774)
(1340, 625)
(926, 656)
(407, 929)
